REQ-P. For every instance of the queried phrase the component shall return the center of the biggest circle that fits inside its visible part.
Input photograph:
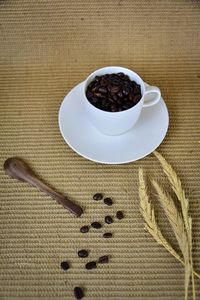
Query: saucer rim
(107, 162)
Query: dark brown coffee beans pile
(113, 92)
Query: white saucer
(87, 141)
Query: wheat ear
(147, 212)
(177, 224)
(180, 193)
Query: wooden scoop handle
(18, 169)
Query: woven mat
(46, 47)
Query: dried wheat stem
(177, 187)
(150, 221)
(177, 224)
(173, 216)
(149, 217)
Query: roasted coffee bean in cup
(113, 92)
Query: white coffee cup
(116, 123)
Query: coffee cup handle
(152, 95)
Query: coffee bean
(82, 253)
(130, 97)
(120, 74)
(97, 78)
(119, 215)
(117, 82)
(137, 98)
(96, 225)
(94, 100)
(90, 86)
(105, 103)
(111, 100)
(108, 201)
(84, 229)
(120, 94)
(113, 108)
(108, 220)
(125, 90)
(107, 235)
(98, 196)
(103, 90)
(91, 265)
(98, 95)
(78, 292)
(103, 259)
(114, 89)
(89, 94)
(114, 97)
(64, 265)
(104, 83)
(126, 78)
(129, 103)
(126, 106)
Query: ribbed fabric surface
(47, 47)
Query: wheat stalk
(151, 225)
(177, 224)
(174, 217)
(176, 185)
(147, 212)
(180, 193)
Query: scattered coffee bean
(119, 215)
(108, 220)
(82, 253)
(91, 265)
(107, 235)
(64, 265)
(96, 225)
(107, 89)
(103, 259)
(108, 201)
(98, 196)
(84, 229)
(78, 292)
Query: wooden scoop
(18, 169)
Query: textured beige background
(46, 47)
